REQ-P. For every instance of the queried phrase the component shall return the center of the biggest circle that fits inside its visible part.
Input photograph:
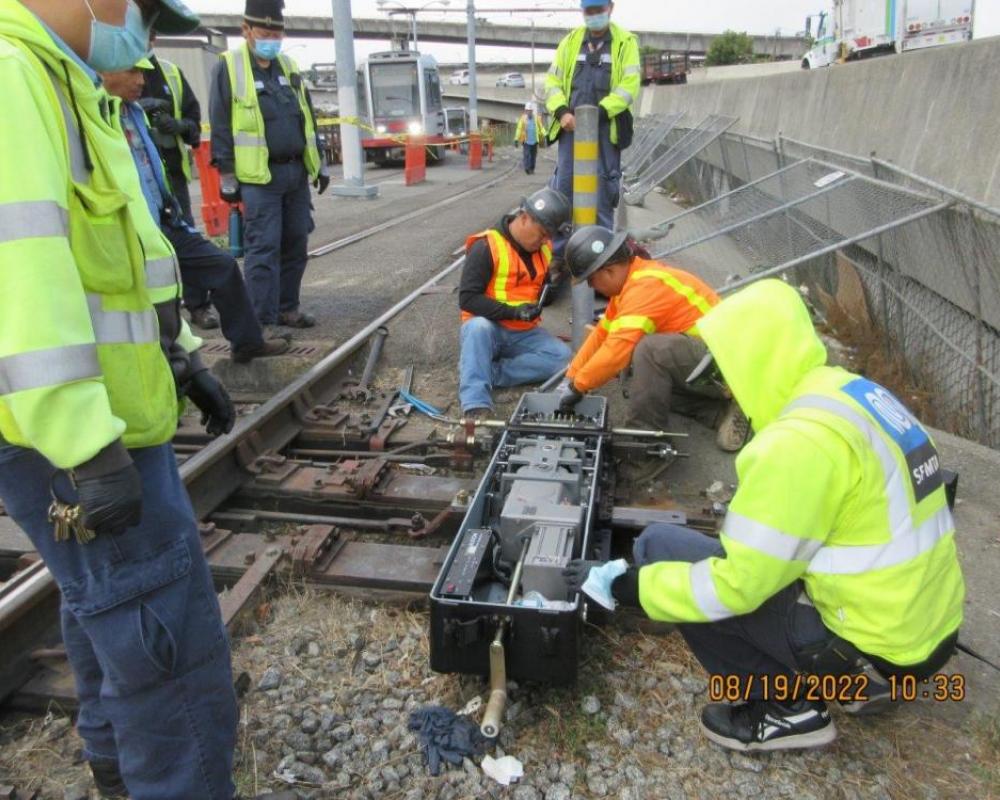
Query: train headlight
(415, 128)
(380, 129)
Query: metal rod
(551, 382)
(23, 592)
(314, 519)
(964, 198)
(378, 341)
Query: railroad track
(295, 488)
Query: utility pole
(473, 99)
(413, 20)
(347, 101)
(532, 59)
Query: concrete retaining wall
(936, 112)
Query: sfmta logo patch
(922, 461)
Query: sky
(705, 16)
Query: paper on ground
(503, 770)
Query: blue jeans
(276, 228)
(609, 179)
(142, 630)
(769, 641)
(529, 156)
(492, 355)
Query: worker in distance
(836, 557)
(650, 323)
(502, 342)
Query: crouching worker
(506, 267)
(649, 323)
(836, 558)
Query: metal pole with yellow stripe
(585, 187)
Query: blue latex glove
(598, 583)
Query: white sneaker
(734, 429)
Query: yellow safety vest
(626, 76)
(80, 358)
(249, 142)
(172, 75)
(841, 488)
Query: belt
(289, 160)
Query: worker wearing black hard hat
(506, 269)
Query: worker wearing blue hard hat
(597, 64)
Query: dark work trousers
(206, 268)
(769, 641)
(661, 364)
(277, 223)
(609, 178)
(142, 629)
(193, 296)
(530, 156)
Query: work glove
(594, 579)
(217, 412)
(154, 105)
(229, 188)
(109, 491)
(528, 312)
(569, 396)
(168, 125)
(322, 181)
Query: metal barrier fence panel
(645, 145)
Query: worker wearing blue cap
(597, 64)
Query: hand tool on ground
(361, 389)
(382, 424)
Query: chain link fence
(927, 259)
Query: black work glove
(569, 396)
(322, 181)
(168, 125)
(109, 491)
(528, 312)
(229, 188)
(576, 571)
(217, 412)
(154, 105)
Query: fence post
(415, 169)
(585, 189)
(475, 151)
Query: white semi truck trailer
(853, 29)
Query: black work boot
(108, 780)
(765, 725)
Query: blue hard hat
(594, 3)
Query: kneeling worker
(836, 558)
(506, 267)
(648, 323)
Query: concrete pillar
(585, 162)
(347, 99)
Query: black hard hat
(175, 18)
(591, 248)
(265, 14)
(551, 209)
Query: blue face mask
(597, 22)
(267, 49)
(114, 48)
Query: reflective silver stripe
(606, 58)
(39, 368)
(122, 327)
(239, 71)
(32, 220)
(556, 70)
(161, 273)
(768, 540)
(906, 540)
(553, 92)
(77, 163)
(248, 140)
(703, 589)
(632, 70)
(624, 94)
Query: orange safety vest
(655, 299)
(511, 283)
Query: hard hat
(591, 248)
(529, 106)
(594, 3)
(550, 208)
(175, 17)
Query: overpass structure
(494, 35)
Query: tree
(730, 48)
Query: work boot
(296, 319)
(267, 348)
(734, 429)
(204, 318)
(766, 725)
(108, 780)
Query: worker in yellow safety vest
(265, 145)
(93, 357)
(526, 134)
(597, 64)
(835, 575)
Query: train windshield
(395, 90)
